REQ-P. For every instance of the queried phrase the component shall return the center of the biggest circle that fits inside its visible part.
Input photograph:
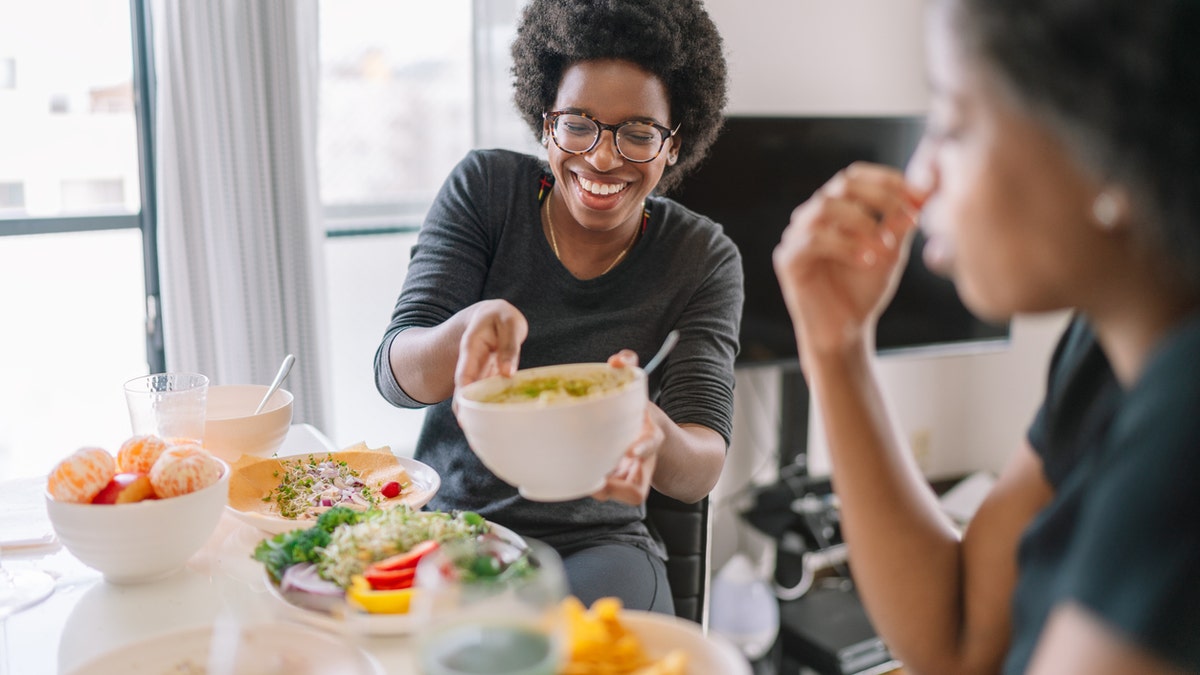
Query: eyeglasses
(579, 134)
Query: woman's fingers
(860, 216)
(649, 441)
(473, 364)
(841, 254)
(859, 219)
(511, 331)
(626, 358)
(880, 189)
(629, 482)
(491, 343)
(837, 230)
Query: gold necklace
(620, 256)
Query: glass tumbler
(168, 405)
(490, 606)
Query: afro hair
(673, 39)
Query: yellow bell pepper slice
(361, 594)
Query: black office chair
(685, 530)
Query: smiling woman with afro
(575, 257)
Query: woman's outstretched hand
(629, 482)
(840, 258)
(491, 344)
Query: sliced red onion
(304, 588)
(304, 577)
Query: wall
(796, 57)
(962, 413)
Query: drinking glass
(168, 405)
(491, 606)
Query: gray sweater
(483, 239)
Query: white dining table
(86, 617)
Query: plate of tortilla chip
(280, 494)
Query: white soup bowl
(231, 429)
(558, 449)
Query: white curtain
(238, 210)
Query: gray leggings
(638, 578)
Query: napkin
(23, 519)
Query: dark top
(1122, 535)
(483, 239)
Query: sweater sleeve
(447, 269)
(697, 385)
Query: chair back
(685, 530)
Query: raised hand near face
(840, 258)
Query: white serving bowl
(707, 654)
(140, 541)
(231, 429)
(557, 450)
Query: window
(71, 261)
(395, 107)
(406, 90)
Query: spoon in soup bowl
(667, 345)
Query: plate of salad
(280, 494)
(353, 571)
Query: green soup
(557, 388)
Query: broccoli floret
(338, 515)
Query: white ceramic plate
(349, 621)
(425, 484)
(707, 655)
(272, 648)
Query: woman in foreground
(575, 258)
(1060, 170)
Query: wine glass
(489, 605)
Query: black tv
(760, 169)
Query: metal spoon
(667, 345)
(284, 369)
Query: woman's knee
(630, 574)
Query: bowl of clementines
(141, 514)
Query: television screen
(760, 169)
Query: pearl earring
(1106, 209)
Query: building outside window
(12, 196)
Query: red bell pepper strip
(389, 580)
(405, 560)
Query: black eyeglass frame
(552, 116)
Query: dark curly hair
(674, 39)
(1118, 81)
